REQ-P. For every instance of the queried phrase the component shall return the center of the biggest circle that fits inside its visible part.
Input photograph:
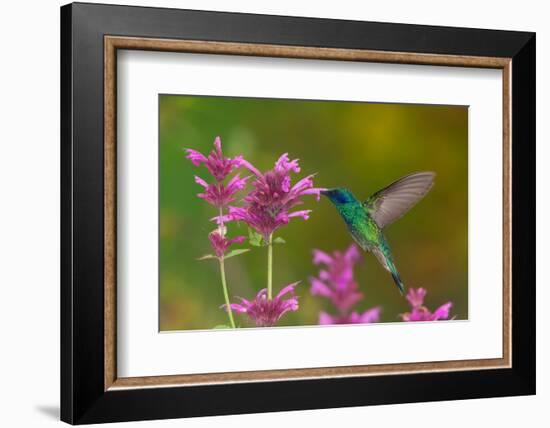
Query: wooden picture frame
(91, 390)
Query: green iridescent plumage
(366, 220)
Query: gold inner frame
(112, 43)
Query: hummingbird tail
(398, 282)
(387, 261)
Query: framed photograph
(265, 213)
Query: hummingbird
(367, 220)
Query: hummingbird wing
(390, 203)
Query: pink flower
(268, 205)
(415, 296)
(369, 316)
(264, 312)
(220, 243)
(218, 165)
(219, 194)
(419, 312)
(336, 282)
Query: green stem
(221, 231)
(270, 267)
(225, 293)
(220, 227)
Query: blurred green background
(363, 146)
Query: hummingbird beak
(325, 192)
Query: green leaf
(279, 240)
(221, 327)
(207, 257)
(254, 238)
(234, 253)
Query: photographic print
(284, 212)
(327, 199)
